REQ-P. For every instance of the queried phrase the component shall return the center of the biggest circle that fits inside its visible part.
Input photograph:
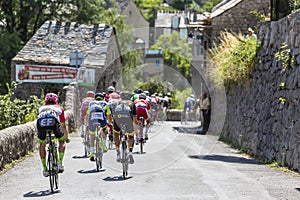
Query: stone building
(133, 17)
(64, 52)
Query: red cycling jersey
(142, 108)
(84, 106)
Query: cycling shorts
(51, 123)
(97, 117)
(144, 112)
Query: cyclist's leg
(58, 132)
(148, 123)
(116, 132)
(130, 133)
(92, 133)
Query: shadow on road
(116, 178)
(191, 130)
(90, 171)
(231, 159)
(40, 193)
(79, 157)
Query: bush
(233, 59)
(16, 111)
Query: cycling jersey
(142, 108)
(50, 117)
(84, 106)
(97, 112)
(123, 114)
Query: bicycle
(86, 142)
(141, 125)
(98, 148)
(52, 160)
(124, 151)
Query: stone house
(63, 52)
(133, 17)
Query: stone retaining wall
(263, 113)
(17, 141)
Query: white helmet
(110, 89)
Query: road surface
(176, 165)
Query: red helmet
(51, 98)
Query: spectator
(250, 34)
(205, 108)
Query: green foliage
(294, 5)
(233, 59)
(282, 100)
(285, 57)
(15, 111)
(209, 4)
(177, 52)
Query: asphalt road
(176, 165)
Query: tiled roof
(223, 7)
(54, 41)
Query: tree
(20, 19)
(176, 51)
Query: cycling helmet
(142, 96)
(99, 96)
(160, 95)
(51, 98)
(90, 94)
(110, 89)
(125, 95)
(147, 93)
(139, 91)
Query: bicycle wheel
(86, 143)
(124, 159)
(52, 168)
(55, 169)
(98, 154)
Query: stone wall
(239, 18)
(263, 113)
(17, 141)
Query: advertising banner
(54, 74)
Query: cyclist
(142, 108)
(189, 104)
(90, 96)
(98, 111)
(136, 95)
(154, 107)
(111, 94)
(51, 116)
(124, 113)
